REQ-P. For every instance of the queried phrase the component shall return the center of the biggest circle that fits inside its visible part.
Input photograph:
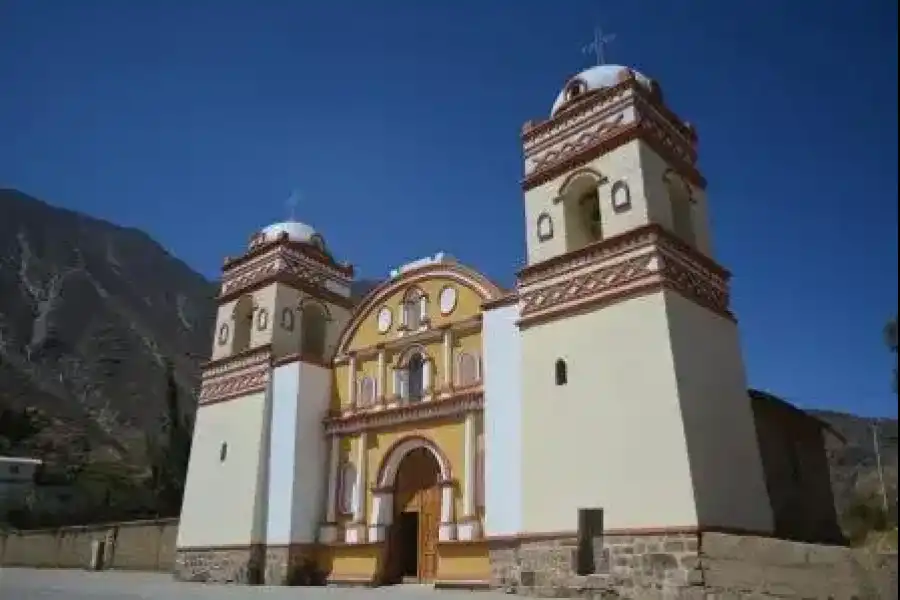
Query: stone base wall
(240, 564)
(295, 564)
(692, 567)
(625, 566)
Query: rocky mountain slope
(854, 464)
(89, 313)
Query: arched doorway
(413, 535)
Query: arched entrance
(411, 548)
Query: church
(442, 424)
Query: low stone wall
(692, 566)
(137, 545)
(238, 564)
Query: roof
(782, 404)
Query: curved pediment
(449, 292)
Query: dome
(596, 78)
(295, 231)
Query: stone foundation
(624, 566)
(292, 565)
(237, 564)
(272, 565)
(692, 566)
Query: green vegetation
(80, 485)
(169, 451)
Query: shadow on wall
(137, 546)
(798, 476)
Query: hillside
(89, 312)
(853, 461)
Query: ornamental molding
(577, 142)
(286, 264)
(566, 125)
(644, 261)
(387, 416)
(237, 376)
(611, 119)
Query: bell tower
(633, 385)
(253, 494)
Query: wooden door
(429, 524)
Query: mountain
(89, 314)
(853, 460)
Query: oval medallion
(447, 300)
(385, 318)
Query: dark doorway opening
(411, 548)
(408, 544)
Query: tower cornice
(604, 120)
(643, 261)
(289, 265)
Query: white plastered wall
(224, 501)
(612, 437)
(502, 366)
(726, 466)
(653, 174)
(297, 456)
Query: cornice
(455, 405)
(640, 262)
(321, 258)
(603, 122)
(285, 266)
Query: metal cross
(291, 204)
(598, 46)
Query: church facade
(428, 430)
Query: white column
(447, 529)
(469, 465)
(359, 506)
(328, 532)
(423, 310)
(351, 381)
(382, 508)
(448, 358)
(468, 526)
(380, 394)
(355, 531)
(426, 378)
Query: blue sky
(399, 123)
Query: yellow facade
(375, 429)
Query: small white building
(17, 479)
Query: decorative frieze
(237, 376)
(576, 142)
(644, 260)
(604, 121)
(454, 405)
(281, 261)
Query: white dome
(295, 230)
(596, 78)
